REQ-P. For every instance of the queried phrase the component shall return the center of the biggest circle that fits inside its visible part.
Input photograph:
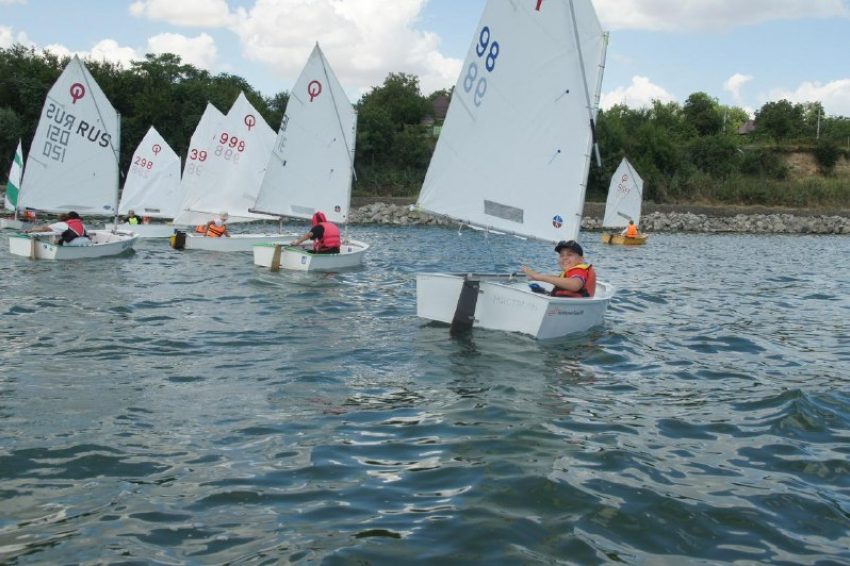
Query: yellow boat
(619, 240)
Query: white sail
(198, 166)
(311, 166)
(73, 159)
(514, 152)
(153, 180)
(233, 170)
(14, 184)
(625, 196)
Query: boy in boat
(325, 235)
(70, 228)
(630, 231)
(215, 228)
(578, 279)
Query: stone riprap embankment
(717, 220)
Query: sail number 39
(488, 50)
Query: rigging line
(490, 249)
(116, 147)
(584, 80)
(339, 120)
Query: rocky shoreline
(672, 218)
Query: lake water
(187, 407)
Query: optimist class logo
(314, 89)
(557, 222)
(77, 92)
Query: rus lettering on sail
(92, 134)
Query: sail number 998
(227, 146)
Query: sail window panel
(503, 211)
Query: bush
(827, 154)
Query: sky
(744, 53)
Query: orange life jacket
(214, 231)
(30, 215)
(631, 231)
(586, 272)
(201, 229)
(330, 238)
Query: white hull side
(146, 230)
(12, 224)
(506, 303)
(236, 242)
(300, 259)
(104, 244)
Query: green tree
(701, 112)
(393, 148)
(779, 120)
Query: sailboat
(513, 158)
(625, 195)
(12, 190)
(311, 168)
(228, 180)
(73, 166)
(152, 186)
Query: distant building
(748, 128)
(434, 122)
(441, 108)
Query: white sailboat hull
(12, 224)
(506, 303)
(40, 245)
(146, 230)
(236, 242)
(301, 259)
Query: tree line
(683, 152)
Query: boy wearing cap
(578, 278)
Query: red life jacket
(75, 230)
(584, 271)
(330, 238)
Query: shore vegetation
(788, 154)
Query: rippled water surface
(187, 407)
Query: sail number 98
(488, 51)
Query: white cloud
(109, 50)
(11, 2)
(8, 38)
(835, 96)
(104, 50)
(197, 13)
(364, 40)
(199, 51)
(696, 15)
(640, 94)
(733, 86)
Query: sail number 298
(487, 50)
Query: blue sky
(743, 52)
